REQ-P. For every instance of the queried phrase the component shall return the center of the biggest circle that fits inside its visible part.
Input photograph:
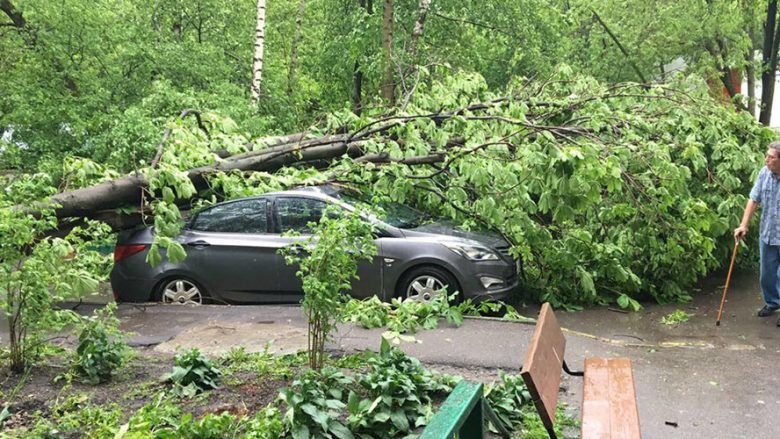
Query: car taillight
(124, 251)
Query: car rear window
(246, 216)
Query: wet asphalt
(693, 380)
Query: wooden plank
(622, 395)
(595, 399)
(542, 365)
(609, 408)
(460, 414)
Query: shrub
(101, 350)
(193, 373)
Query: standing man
(766, 192)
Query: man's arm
(750, 208)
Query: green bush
(101, 350)
(399, 391)
(314, 405)
(193, 373)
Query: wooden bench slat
(541, 370)
(623, 395)
(595, 399)
(609, 408)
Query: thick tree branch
(16, 17)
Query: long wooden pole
(728, 280)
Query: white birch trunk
(257, 66)
(422, 13)
(294, 49)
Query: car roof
(319, 191)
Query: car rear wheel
(426, 284)
(182, 291)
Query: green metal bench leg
(474, 427)
(461, 415)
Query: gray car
(233, 255)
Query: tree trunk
(769, 63)
(257, 66)
(357, 92)
(750, 72)
(419, 25)
(388, 85)
(417, 33)
(294, 48)
(750, 62)
(357, 75)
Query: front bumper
(496, 294)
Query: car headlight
(471, 251)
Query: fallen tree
(275, 152)
(607, 193)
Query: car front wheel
(426, 284)
(182, 291)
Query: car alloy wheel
(426, 283)
(181, 292)
(425, 288)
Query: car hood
(449, 228)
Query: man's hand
(739, 232)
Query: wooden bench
(609, 408)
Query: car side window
(246, 216)
(296, 213)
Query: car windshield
(396, 214)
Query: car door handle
(198, 244)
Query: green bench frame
(463, 415)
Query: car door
(230, 246)
(295, 213)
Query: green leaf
(623, 301)
(398, 417)
(168, 196)
(384, 347)
(176, 252)
(153, 257)
(83, 285)
(340, 431)
(300, 432)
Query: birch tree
(257, 66)
(294, 49)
